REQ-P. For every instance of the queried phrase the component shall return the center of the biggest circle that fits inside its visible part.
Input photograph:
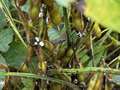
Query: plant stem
(92, 50)
(66, 25)
(34, 76)
(45, 32)
(92, 69)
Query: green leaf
(6, 37)
(105, 12)
(99, 52)
(53, 34)
(6, 11)
(65, 3)
(83, 56)
(16, 54)
(2, 20)
(56, 36)
(26, 7)
(28, 83)
(116, 79)
(2, 61)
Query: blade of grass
(115, 41)
(114, 60)
(92, 51)
(34, 76)
(113, 52)
(91, 69)
(11, 21)
(67, 26)
(106, 35)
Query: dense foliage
(59, 44)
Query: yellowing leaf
(95, 82)
(105, 12)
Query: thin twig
(92, 51)
(114, 51)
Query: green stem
(66, 25)
(92, 69)
(34, 76)
(115, 60)
(45, 33)
(92, 50)
(113, 52)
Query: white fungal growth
(37, 39)
(35, 43)
(75, 81)
(41, 43)
(41, 14)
